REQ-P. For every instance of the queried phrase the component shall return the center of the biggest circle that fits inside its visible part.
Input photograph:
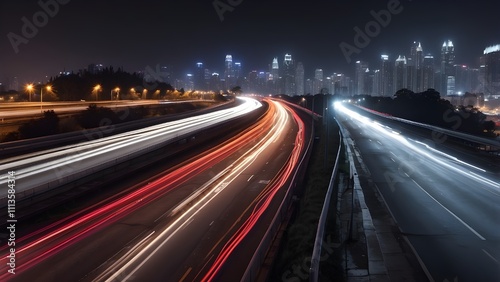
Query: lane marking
(250, 178)
(490, 256)
(185, 274)
(454, 215)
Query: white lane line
(392, 159)
(490, 256)
(379, 142)
(454, 215)
(250, 178)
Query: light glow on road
(428, 152)
(55, 166)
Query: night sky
(136, 34)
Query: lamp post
(117, 90)
(49, 88)
(96, 89)
(29, 88)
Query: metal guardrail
(460, 135)
(318, 241)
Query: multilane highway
(44, 170)
(180, 226)
(444, 201)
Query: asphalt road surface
(444, 200)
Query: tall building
(275, 74)
(228, 72)
(299, 79)
(14, 83)
(400, 76)
(95, 68)
(359, 77)
(215, 82)
(289, 75)
(342, 84)
(308, 86)
(491, 72)
(376, 83)
(369, 82)
(416, 55)
(447, 68)
(386, 79)
(428, 72)
(199, 79)
(318, 81)
(237, 70)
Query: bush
(95, 116)
(47, 125)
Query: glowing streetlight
(117, 90)
(97, 88)
(49, 88)
(30, 89)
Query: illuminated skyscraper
(237, 70)
(228, 72)
(275, 74)
(386, 79)
(400, 76)
(289, 75)
(299, 79)
(199, 79)
(447, 68)
(428, 72)
(415, 67)
(318, 81)
(359, 77)
(491, 72)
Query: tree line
(429, 108)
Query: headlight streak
(104, 215)
(93, 151)
(164, 236)
(263, 201)
(473, 176)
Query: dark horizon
(137, 35)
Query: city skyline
(135, 36)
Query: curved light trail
(53, 167)
(262, 202)
(133, 260)
(50, 240)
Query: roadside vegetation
(293, 259)
(429, 108)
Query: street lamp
(96, 89)
(49, 88)
(30, 88)
(117, 90)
